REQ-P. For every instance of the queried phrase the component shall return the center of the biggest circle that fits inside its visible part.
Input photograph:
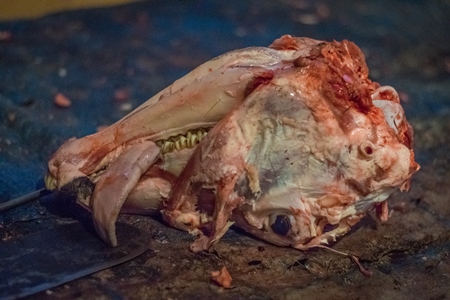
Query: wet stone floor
(107, 61)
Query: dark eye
(281, 225)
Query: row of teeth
(180, 142)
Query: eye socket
(281, 224)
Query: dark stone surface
(141, 48)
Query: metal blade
(39, 261)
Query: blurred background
(68, 68)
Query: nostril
(367, 149)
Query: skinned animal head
(293, 143)
(302, 158)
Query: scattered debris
(62, 72)
(404, 97)
(62, 101)
(121, 94)
(5, 36)
(222, 277)
(307, 19)
(447, 64)
(127, 106)
(323, 11)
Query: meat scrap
(222, 277)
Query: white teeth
(180, 142)
(50, 182)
